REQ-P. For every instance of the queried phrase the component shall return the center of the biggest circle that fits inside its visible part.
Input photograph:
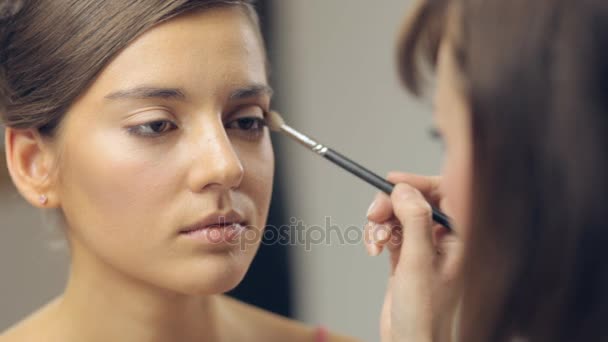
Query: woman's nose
(215, 161)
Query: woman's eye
(247, 124)
(250, 128)
(437, 136)
(153, 129)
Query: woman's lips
(217, 234)
(217, 228)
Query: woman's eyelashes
(153, 128)
(436, 135)
(246, 122)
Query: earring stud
(43, 199)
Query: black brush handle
(377, 181)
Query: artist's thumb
(415, 214)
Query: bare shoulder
(33, 328)
(22, 331)
(267, 326)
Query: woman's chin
(211, 276)
(214, 285)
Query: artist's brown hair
(535, 77)
(52, 50)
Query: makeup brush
(277, 124)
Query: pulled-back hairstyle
(535, 77)
(52, 50)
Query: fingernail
(381, 233)
(371, 208)
(368, 248)
(374, 250)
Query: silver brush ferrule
(304, 140)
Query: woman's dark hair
(535, 77)
(52, 50)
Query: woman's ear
(30, 162)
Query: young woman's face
(452, 118)
(169, 139)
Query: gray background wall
(33, 262)
(335, 79)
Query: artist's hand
(423, 287)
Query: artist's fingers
(379, 235)
(414, 213)
(378, 231)
(393, 246)
(429, 186)
(381, 209)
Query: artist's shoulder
(268, 326)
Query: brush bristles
(275, 121)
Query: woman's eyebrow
(148, 92)
(251, 91)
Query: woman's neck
(102, 304)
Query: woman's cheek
(258, 162)
(118, 183)
(458, 191)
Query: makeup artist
(522, 105)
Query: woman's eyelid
(251, 109)
(241, 114)
(151, 114)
